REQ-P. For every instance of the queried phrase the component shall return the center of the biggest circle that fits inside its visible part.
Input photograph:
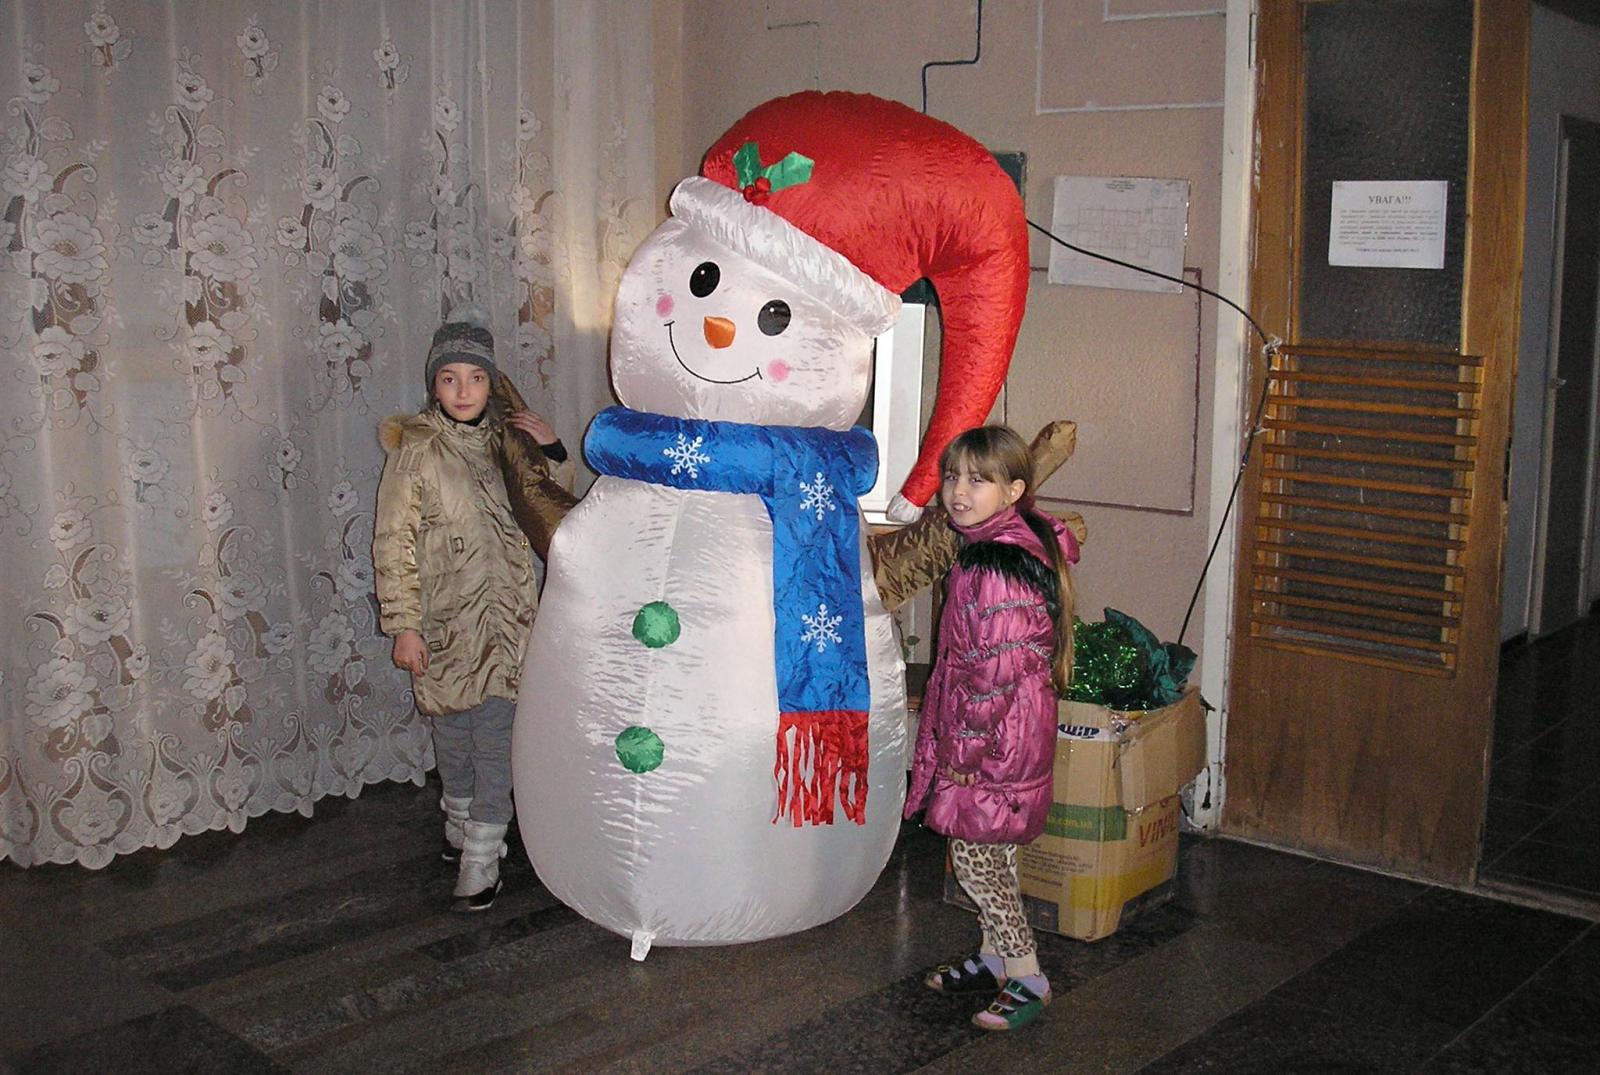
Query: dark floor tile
(1228, 878)
(1573, 869)
(550, 916)
(1543, 694)
(275, 854)
(1539, 787)
(1297, 903)
(1069, 963)
(1562, 752)
(1536, 1032)
(340, 1024)
(1446, 958)
(1576, 971)
(1137, 1013)
(1521, 720)
(1275, 1036)
(1585, 807)
(1506, 821)
(898, 1028)
(168, 1042)
(228, 943)
(1575, 827)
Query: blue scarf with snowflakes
(809, 479)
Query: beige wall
(1134, 369)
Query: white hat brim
(777, 245)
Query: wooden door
(1372, 511)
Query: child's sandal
(957, 980)
(1016, 1006)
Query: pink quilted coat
(989, 708)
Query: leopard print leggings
(989, 874)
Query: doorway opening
(1544, 783)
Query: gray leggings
(473, 749)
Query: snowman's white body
(690, 852)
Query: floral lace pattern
(220, 262)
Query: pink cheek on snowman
(664, 306)
(778, 371)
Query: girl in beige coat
(456, 589)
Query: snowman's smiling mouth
(710, 380)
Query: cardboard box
(1110, 846)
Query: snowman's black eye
(705, 278)
(774, 317)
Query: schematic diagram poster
(1140, 221)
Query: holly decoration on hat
(757, 182)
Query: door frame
(1591, 493)
(1230, 383)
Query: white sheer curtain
(228, 231)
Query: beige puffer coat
(450, 561)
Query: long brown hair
(1000, 455)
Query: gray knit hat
(465, 337)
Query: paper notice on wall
(1140, 221)
(1388, 225)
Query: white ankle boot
(455, 817)
(478, 883)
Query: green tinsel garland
(1121, 665)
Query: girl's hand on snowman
(534, 426)
(411, 652)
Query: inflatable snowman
(710, 742)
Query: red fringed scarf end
(828, 757)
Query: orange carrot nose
(719, 332)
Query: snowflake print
(686, 455)
(821, 628)
(818, 497)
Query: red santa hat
(861, 197)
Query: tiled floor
(323, 945)
(1542, 829)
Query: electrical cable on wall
(1269, 345)
(977, 53)
(1269, 348)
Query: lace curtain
(228, 231)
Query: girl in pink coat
(986, 745)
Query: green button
(639, 749)
(656, 625)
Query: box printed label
(1158, 828)
(1097, 824)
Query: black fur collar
(1014, 562)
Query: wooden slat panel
(1323, 403)
(1377, 537)
(1395, 588)
(1369, 509)
(1333, 649)
(1375, 354)
(1306, 552)
(1298, 519)
(1454, 388)
(1450, 492)
(1409, 435)
(1356, 633)
(1272, 597)
(1368, 457)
